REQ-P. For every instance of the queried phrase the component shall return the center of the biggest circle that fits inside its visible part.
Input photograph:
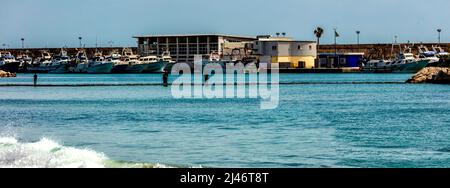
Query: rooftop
(269, 38)
(194, 35)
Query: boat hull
(136, 68)
(413, 67)
(157, 67)
(12, 67)
(119, 69)
(103, 68)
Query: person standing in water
(35, 78)
(165, 78)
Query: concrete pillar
(208, 48)
(157, 45)
(198, 46)
(177, 52)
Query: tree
(318, 32)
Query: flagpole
(335, 47)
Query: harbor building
(286, 52)
(340, 60)
(183, 48)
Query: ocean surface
(315, 125)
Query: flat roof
(194, 35)
(308, 41)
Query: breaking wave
(47, 153)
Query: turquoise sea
(315, 125)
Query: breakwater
(438, 75)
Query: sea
(368, 121)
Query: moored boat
(59, 63)
(82, 62)
(99, 65)
(8, 62)
(40, 64)
(155, 64)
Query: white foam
(46, 153)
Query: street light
(439, 35)
(80, 38)
(22, 39)
(357, 33)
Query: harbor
(225, 84)
(157, 53)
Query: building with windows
(285, 51)
(183, 48)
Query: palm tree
(318, 32)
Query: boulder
(439, 75)
(4, 74)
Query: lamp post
(23, 46)
(357, 33)
(80, 38)
(336, 35)
(439, 35)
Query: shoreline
(225, 84)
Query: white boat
(25, 61)
(131, 61)
(40, 64)
(405, 62)
(424, 53)
(8, 62)
(377, 66)
(441, 53)
(82, 62)
(115, 58)
(59, 63)
(100, 65)
(153, 64)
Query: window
(299, 47)
(301, 64)
(310, 47)
(274, 47)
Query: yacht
(441, 53)
(405, 62)
(8, 62)
(25, 61)
(120, 65)
(377, 66)
(131, 61)
(60, 63)
(81, 61)
(155, 64)
(40, 64)
(100, 65)
(424, 53)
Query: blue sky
(57, 23)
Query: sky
(59, 23)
